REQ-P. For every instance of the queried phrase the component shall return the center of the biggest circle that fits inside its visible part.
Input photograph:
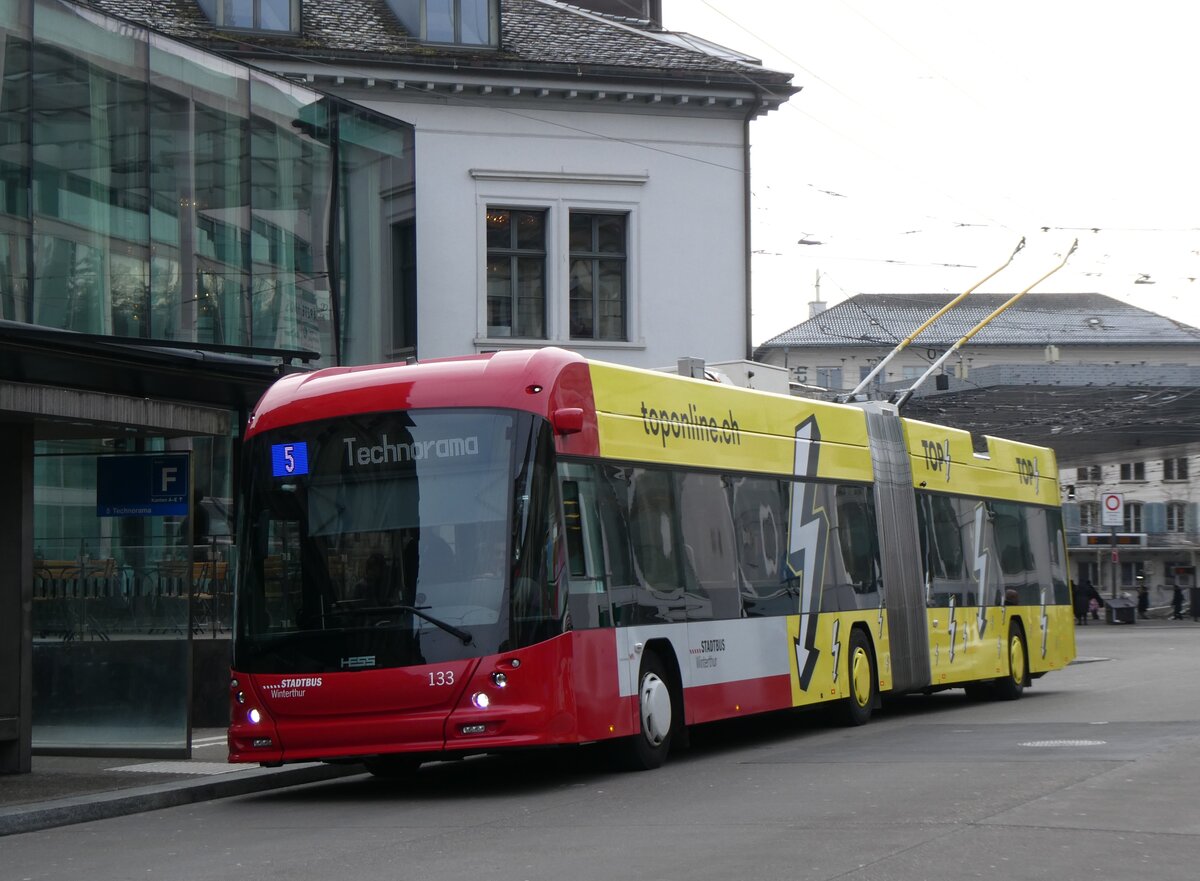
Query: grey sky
(931, 136)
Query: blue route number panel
(289, 460)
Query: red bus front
(400, 591)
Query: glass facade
(155, 194)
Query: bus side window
(708, 533)
(587, 597)
(760, 507)
(627, 545)
(854, 508)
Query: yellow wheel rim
(860, 676)
(1016, 659)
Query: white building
(1088, 362)
(582, 178)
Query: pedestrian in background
(1177, 603)
(1083, 594)
(1143, 600)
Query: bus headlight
(254, 716)
(499, 679)
(481, 700)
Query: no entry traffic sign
(1112, 509)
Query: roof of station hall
(1035, 319)
(535, 36)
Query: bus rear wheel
(860, 676)
(1013, 685)
(648, 748)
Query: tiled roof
(1035, 319)
(535, 35)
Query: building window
(911, 373)
(1089, 516)
(254, 15)
(1133, 574)
(462, 22)
(1133, 471)
(829, 377)
(1176, 516)
(598, 273)
(1133, 517)
(516, 273)
(1175, 469)
(864, 372)
(1088, 474)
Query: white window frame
(1171, 468)
(1133, 472)
(558, 194)
(1176, 517)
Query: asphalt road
(1094, 774)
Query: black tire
(861, 679)
(657, 704)
(1010, 687)
(392, 767)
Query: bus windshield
(394, 539)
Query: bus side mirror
(567, 420)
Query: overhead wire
(282, 53)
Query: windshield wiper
(420, 612)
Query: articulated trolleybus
(529, 549)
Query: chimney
(816, 307)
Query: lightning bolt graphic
(881, 614)
(837, 649)
(1037, 488)
(980, 569)
(947, 460)
(806, 547)
(952, 628)
(1045, 623)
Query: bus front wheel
(648, 748)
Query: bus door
(588, 600)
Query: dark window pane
(611, 300)
(516, 273)
(531, 298)
(598, 286)
(499, 297)
(439, 21)
(498, 226)
(611, 234)
(581, 299)
(581, 232)
(709, 548)
(531, 230)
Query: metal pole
(980, 326)
(1113, 561)
(906, 342)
